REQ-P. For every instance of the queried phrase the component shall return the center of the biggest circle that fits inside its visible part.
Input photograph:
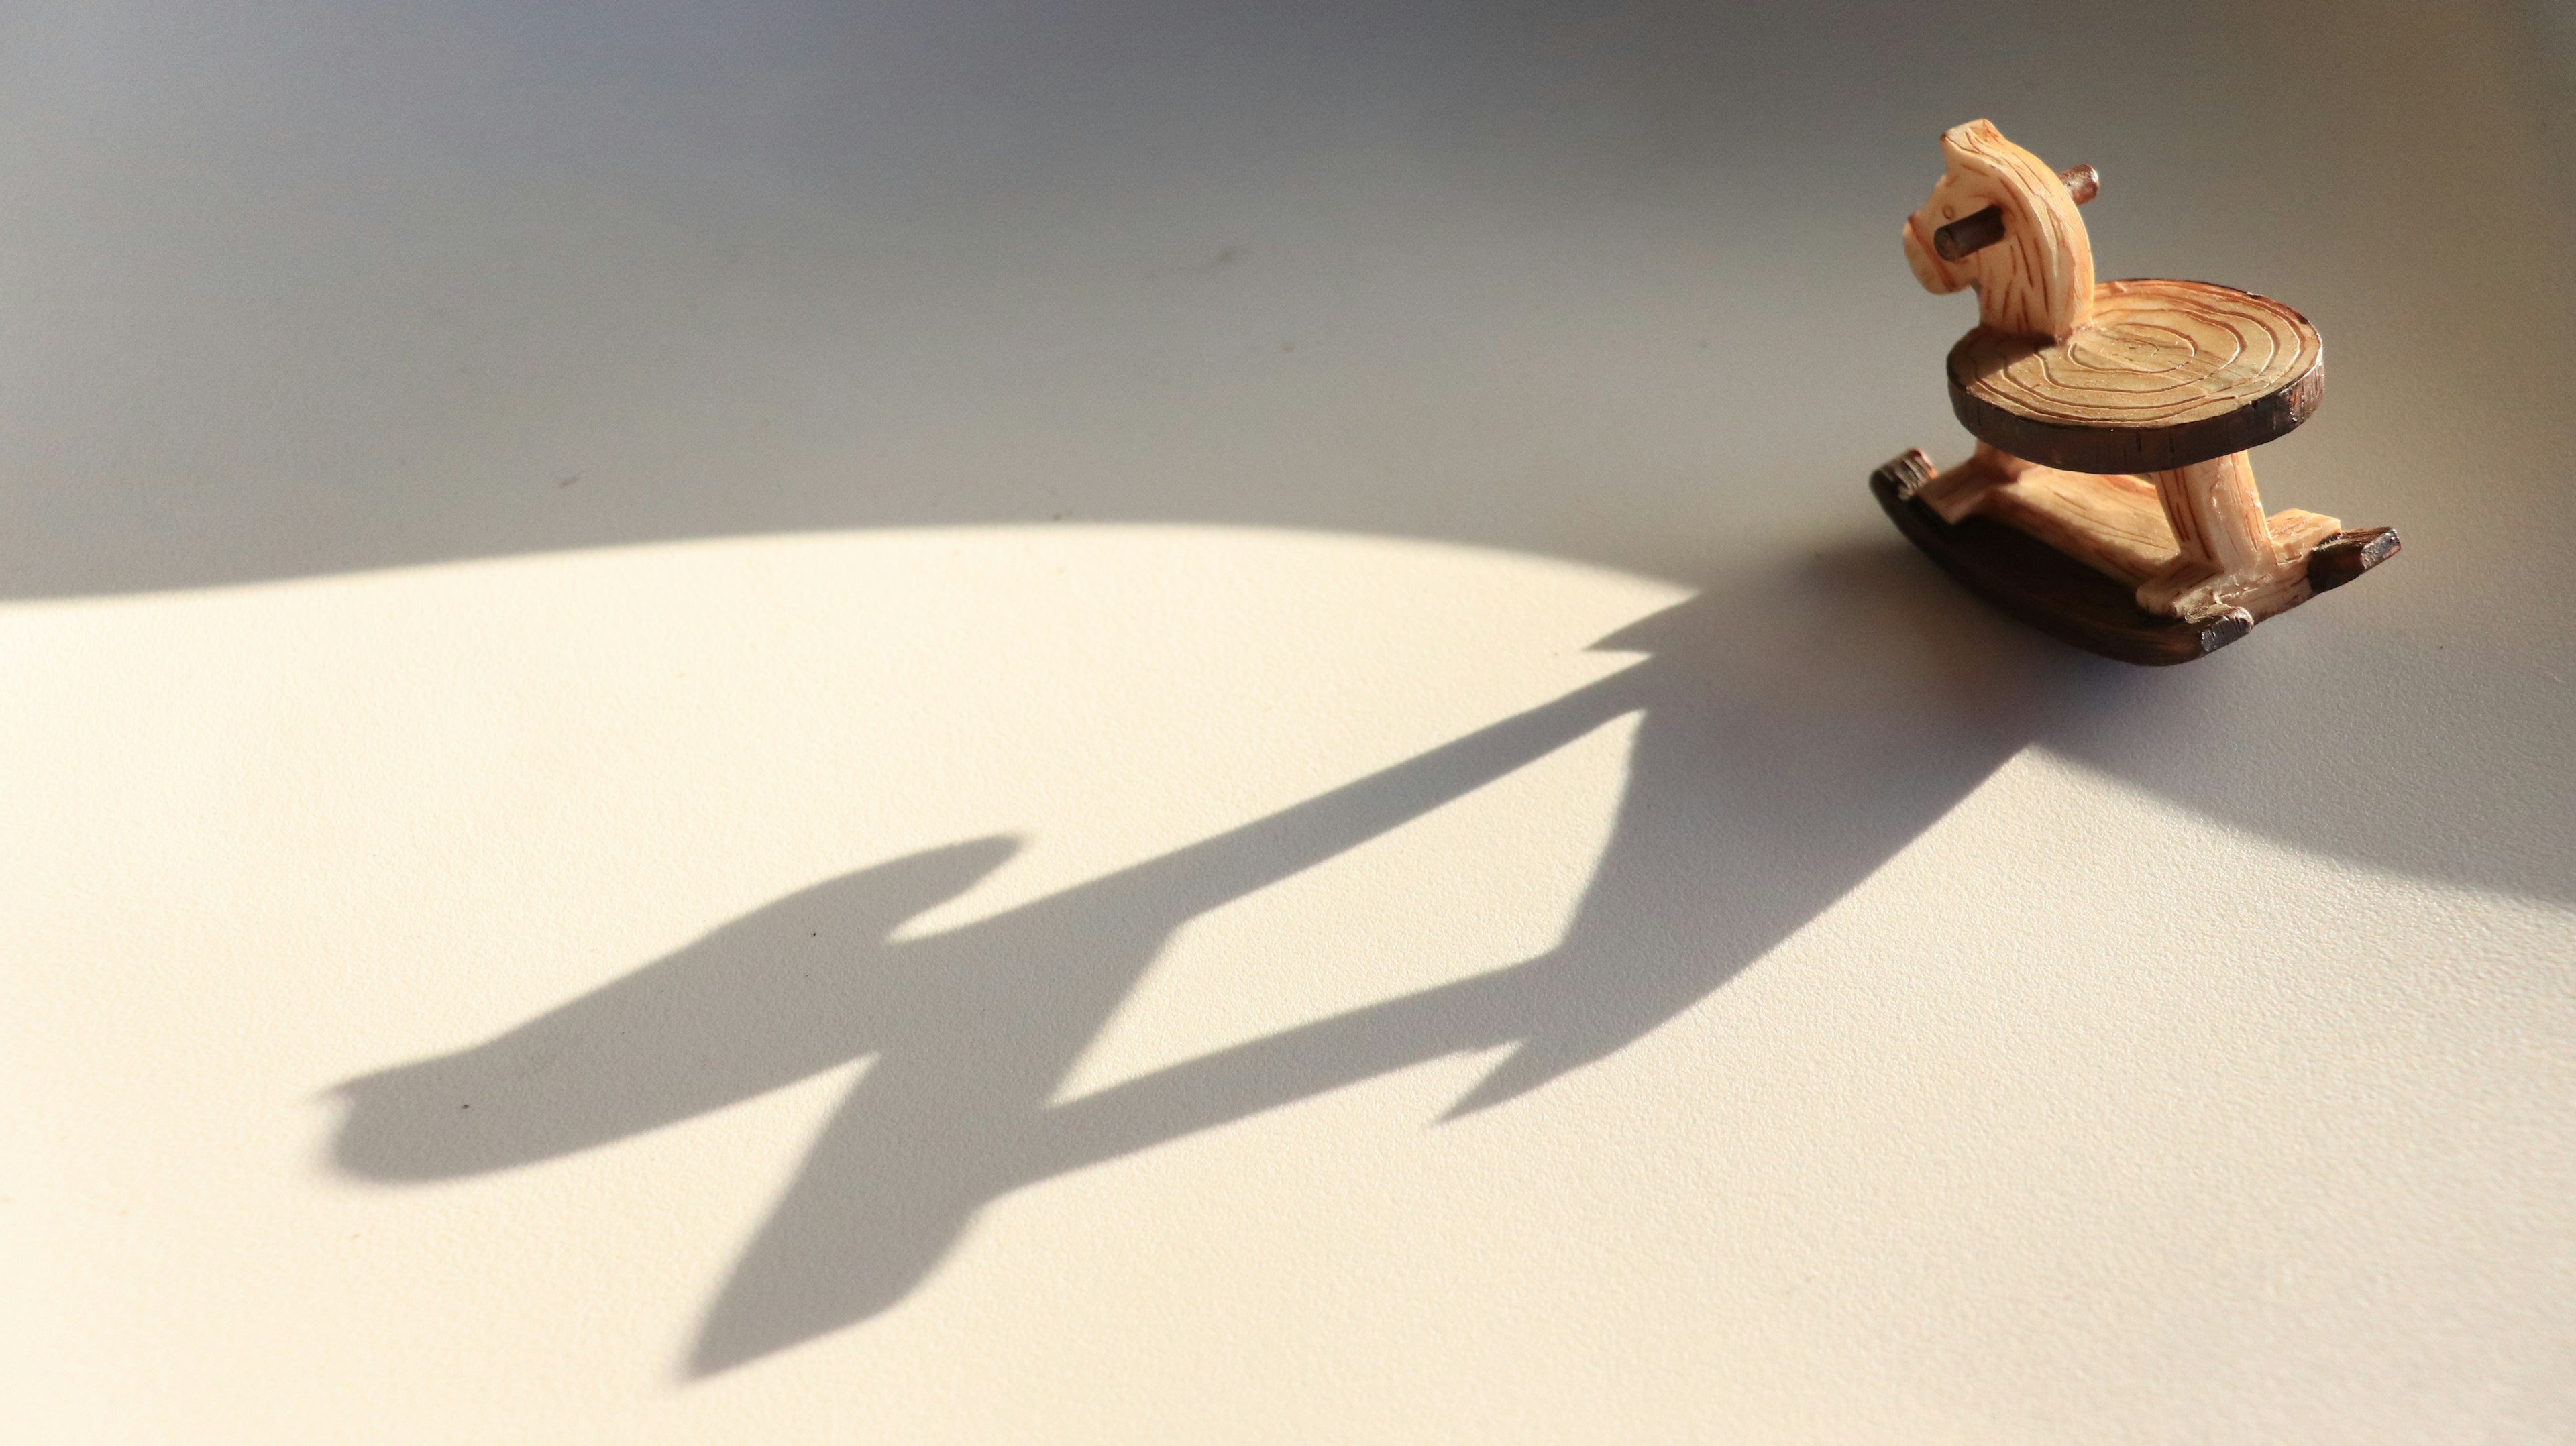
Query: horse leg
(2228, 555)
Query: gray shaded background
(369, 285)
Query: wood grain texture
(2165, 375)
(1975, 232)
(2005, 559)
(2038, 279)
(2113, 524)
(2222, 553)
(2041, 586)
(2227, 554)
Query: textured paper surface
(1141, 723)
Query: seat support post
(2228, 554)
(2217, 515)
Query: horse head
(2035, 281)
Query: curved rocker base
(2071, 602)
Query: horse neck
(2038, 280)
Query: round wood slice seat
(2166, 374)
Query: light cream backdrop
(1109, 722)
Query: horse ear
(1965, 140)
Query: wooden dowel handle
(1969, 234)
(1975, 232)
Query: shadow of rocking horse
(1786, 745)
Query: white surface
(1202, 728)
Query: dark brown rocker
(2109, 501)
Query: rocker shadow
(1781, 754)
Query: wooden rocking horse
(2110, 501)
